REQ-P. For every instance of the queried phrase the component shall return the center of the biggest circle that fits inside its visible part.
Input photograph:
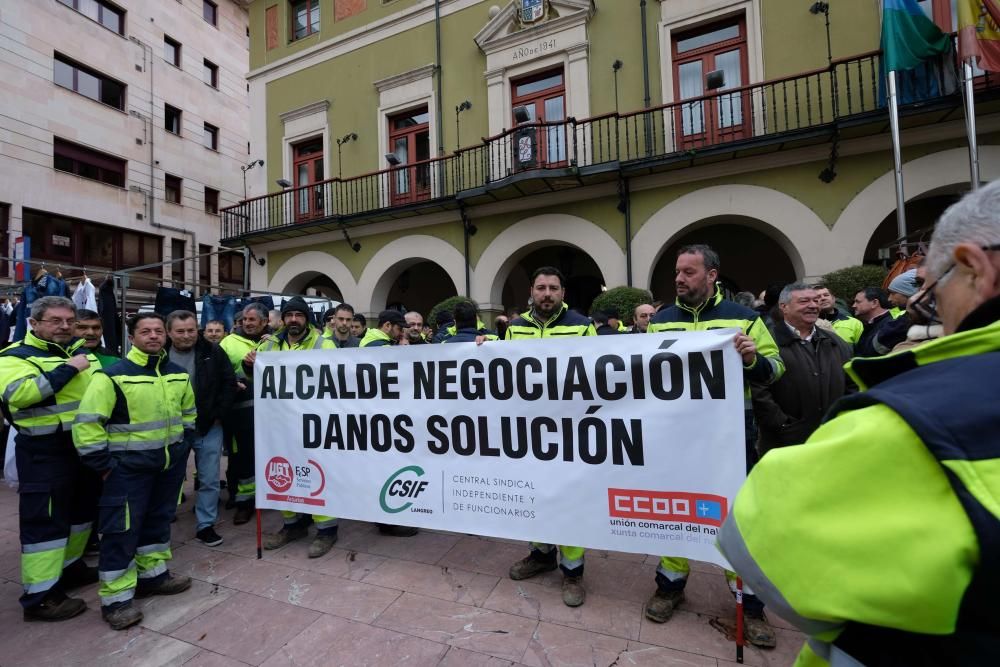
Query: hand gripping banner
(629, 443)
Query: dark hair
(548, 271)
(501, 325)
(611, 312)
(875, 294)
(465, 315)
(708, 255)
(360, 319)
(772, 294)
(84, 314)
(219, 322)
(600, 317)
(180, 315)
(133, 321)
(344, 306)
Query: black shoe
(122, 617)
(208, 537)
(396, 531)
(55, 607)
(171, 585)
(230, 503)
(78, 574)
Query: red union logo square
(678, 506)
(278, 473)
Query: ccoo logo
(401, 485)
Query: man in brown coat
(789, 410)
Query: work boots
(533, 564)
(661, 606)
(55, 607)
(122, 617)
(757, 631)
(244, 512)
(322, 544)
(573, 593)
(172, 584)
(288, 533)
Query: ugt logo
(399, 486)
(278, 473)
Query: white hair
(786, 291)
(973, 219)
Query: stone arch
(503, 253)
(927, 173)
(292, 276)
(397, 256)
(793, 225)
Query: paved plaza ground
(434, 599)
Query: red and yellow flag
(979, 32)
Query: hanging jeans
(169, 299)
(222, 308)
(107, 306)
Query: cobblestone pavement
(435, 599)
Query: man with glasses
(43, 379)
(880, 537)
(337, 326)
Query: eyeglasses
(58, 322)
(923, 309)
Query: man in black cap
(390, 329)
(297, 334)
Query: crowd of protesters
(894, 399)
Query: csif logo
(401, 485)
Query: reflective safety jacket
(375, 338)
(720, 313)
(880, 536)
(313, 340)
(847, 327)
(564, 323)
(39, 388)
(142, 403)
(236, 346)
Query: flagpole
(970, 122)
(897, 157)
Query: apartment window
(210, 12)
(543, 94)
(305, 18)
(718, 46)
(88, 163)
(172, 188)
(105, 13)
(172, 119)
(88, 82)
(172, 51)
(177, 268)
(231, 267)
(210, 73)
(211, 201)
(409, 141)
(210, 138)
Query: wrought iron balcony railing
(848, 92)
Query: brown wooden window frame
(211, 71)
(310, 29)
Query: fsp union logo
(279, 474)
(402, 485)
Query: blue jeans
(221, 308)
(207, 454)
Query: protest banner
(628, 443)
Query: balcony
(843, 101)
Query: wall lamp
(521, 114)
(350, 136)
(355, 246)
(284, 183)
(392, 159)
(247, 167)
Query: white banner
(629, 443)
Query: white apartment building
(123, 130)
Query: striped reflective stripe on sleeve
(89, 418)
(48, 410)
(41, 382)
